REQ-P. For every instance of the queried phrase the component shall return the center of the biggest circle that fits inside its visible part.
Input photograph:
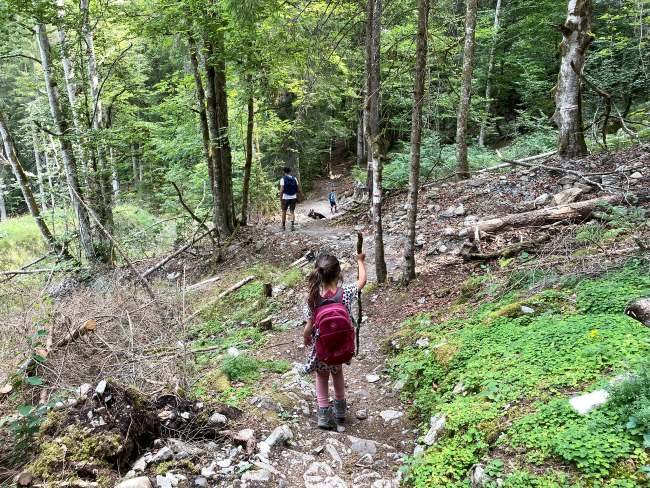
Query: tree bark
(371, 106)
(372, 136)
(38, 159)
(69, 161)
(100, 179)
(25, 187)
(362, 157)
(488, 82)
(114, 175)
(465, 91)
(576, 37)
(50, 172)
(3, 205)
(220, 218)
(203, 120)
(640, 310)
(250, 125)
(222, 121)
(416, 139)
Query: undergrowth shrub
(507, 374)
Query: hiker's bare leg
(322, 393)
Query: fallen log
(236, 286)
(571, 211)
(640, 310)
(202, 283)
(470, 252)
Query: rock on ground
(321, 475)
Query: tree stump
(268, 290)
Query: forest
(490, 159)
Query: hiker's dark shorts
(289, 204)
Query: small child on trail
(332, 198)
(330, 332)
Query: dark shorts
(289, 204)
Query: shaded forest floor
(216, 374)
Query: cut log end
(640, 310)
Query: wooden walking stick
(360, 309)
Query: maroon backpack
(334, 330)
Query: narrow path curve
(368, 451)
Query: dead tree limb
(174, 254)
(192, 214)
(236, 286)
(522, 162)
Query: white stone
(362, 446)
(321, 475)
(217, 419)
(566, 196)
(139, 482)
(163, 482)
(280, 435)
(372, 378)
(460, 210)
(584, 404)
(233, 351)
(224, 463)
(527, 310)
(437, 425)
(140, 464)
(636, 175)
(542, 200)
(422, 342)
(256, 476)
(101, 387)
(84, 389)
(165, 454)
(389, 415)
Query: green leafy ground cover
(518, 370)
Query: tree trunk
(114, 175)
(25, 187)
(38, 159)
(100, 179)
(250, 125)
(218, 190)
(416, 139)
(69, 161)
(224, 141)
(640, 310)
(3, 205)
(462, 170)
(50, 171)
(371, 105)
(372, 138)
(488, 82)
(362, 157)
(203, 120)
(576, 37)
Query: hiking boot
(325, 418)
(340, 406)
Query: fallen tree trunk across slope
(570, 212)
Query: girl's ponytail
(315, 281)
(326, 270)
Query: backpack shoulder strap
(336, 298)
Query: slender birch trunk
(462, 171)
(250, 125)
(50, 172)
(576, 38)
(69, 161)
(416, 140)
(490, 69)
(38, 159)
(3, 205)
(25, 187)
(372, 137)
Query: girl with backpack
(330, 332)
